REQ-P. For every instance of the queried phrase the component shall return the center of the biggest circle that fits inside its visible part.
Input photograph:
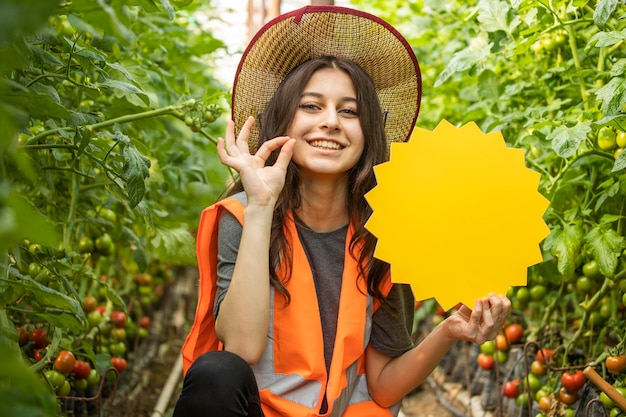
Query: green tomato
(620, 139)
(94, 378)
(538, 292)
(590, 270)
(584, 284)
(488, 347)
(55, 379)
(65, 389)
(607, 138)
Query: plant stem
(96, 126)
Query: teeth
(325, 144)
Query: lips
(325, 144)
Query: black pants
(219, 384)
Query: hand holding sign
(457, 214)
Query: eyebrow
(318, 95)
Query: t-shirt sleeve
(392, 325)
(229, 236)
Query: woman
(296, 317)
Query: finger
(244, 135)
(269, 146)
(221, 151)
(230, 135)
(465, 312)
(285, 154)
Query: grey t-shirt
(391, 328)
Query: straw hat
(295, 37)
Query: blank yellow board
(457, 214)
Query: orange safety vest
(291, 373)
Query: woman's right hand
(261, 183)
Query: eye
(348, 111)
(308, 106)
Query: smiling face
(327, 125)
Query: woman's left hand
(483, 322)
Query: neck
(324, 207)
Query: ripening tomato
(64, 362)
(502, 343)
(544, 355)
(545, 403)
(615, 363)
(538, 368)
(89, 304)
(568, 397)
(485, 361)
(514, 333)
(573, 381)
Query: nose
(330, 119)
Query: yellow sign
(457, 214)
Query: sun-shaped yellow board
(457, 214)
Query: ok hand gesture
(261, 183)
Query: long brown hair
(275, 121)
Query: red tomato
(81, 369)
(38, 338)
(544, 355)
(514, 333)
(38, 354)
(615, 363)
(119, 364)
(573, 381)
(64, 362)
(118, 318)
(144, 322)
(510, 389)
(485, 361)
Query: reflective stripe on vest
(291, 373)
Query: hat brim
(312, 31)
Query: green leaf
(566, 140)
(21, 18)
(39, 106)
(19, 221)
(465, 59)
(606, 246)
(174, 244)
(564, 244)
(603, 11)
(620, 162)
(612, 96)
(53, 306)
(493, 15)
(22, 393)
(602, 39)
(136, 170)
(122, 86)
